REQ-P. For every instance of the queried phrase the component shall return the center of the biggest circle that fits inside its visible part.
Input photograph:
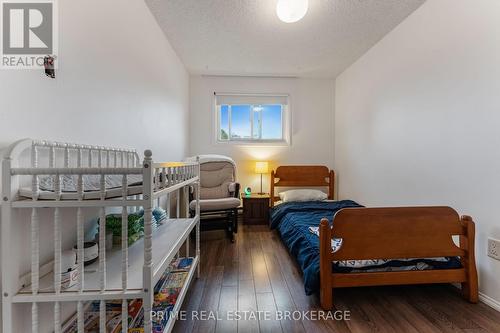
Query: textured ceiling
(245, 37)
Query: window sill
(266, 143)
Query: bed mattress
(296, 223)
(91, 185)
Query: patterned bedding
(91, 186)
(297, 224)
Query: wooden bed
(387, 233)
(306, 176)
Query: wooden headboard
(302, 176)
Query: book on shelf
(166, 293)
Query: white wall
(418, 118)
(311, 105)
(119, 83)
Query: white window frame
(285, 122)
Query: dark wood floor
(256, 273)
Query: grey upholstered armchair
(219, 194)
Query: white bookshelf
(124, 272)
(173, 232)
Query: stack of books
(166, 292)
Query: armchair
(219, 194)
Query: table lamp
(261, 168)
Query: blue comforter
(292, 219)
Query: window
(251, 118)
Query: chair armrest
(191, 193)
(234, 189)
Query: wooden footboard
(393, 233)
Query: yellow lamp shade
(262, 167)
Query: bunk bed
(99, 179)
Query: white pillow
(303, 195)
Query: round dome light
(290, 11)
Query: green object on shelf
(135, 228)
(248, 190)
(135, 224)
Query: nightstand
(255, 208)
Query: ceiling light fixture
(290, 11)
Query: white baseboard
(492, 303)
(483, 298)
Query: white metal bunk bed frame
(159, 179)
